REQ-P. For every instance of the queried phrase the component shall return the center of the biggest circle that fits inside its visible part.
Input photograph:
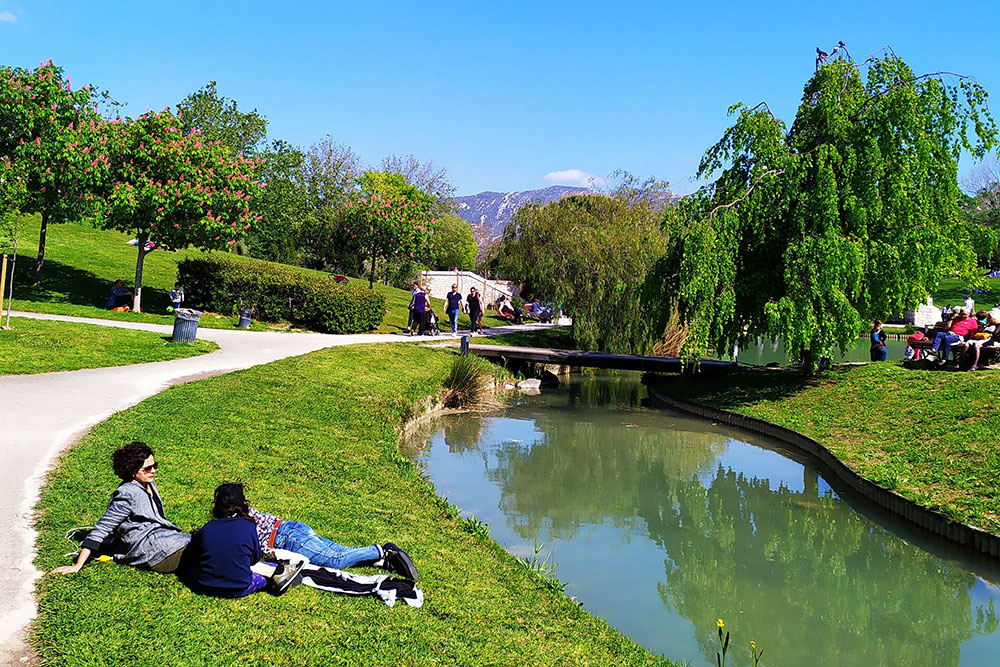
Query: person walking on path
(453, 304)
(475, 304)
(420, 312)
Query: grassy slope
(40, 346)
(315, 438)
(952, 291)
(556, 338)
(929, 435)
(81, 263)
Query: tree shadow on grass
(738, 388)
(62, 283)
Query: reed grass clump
(471, 384)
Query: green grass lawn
(81, 264)
(43, 346)
(555, 338)
(928, 435)
(953, 291)
(315, 438)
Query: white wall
(438, 283)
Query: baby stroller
(432, 324)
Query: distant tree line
(207, 175)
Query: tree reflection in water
(809, 579)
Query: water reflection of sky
(765, 464)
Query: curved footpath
(44, 414)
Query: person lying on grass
(224, 556)
(274, 533)
(141, 535)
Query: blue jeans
(945, 339)
(302, 539)
(453, 317)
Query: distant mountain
(489, 212)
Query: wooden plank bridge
(579, 358)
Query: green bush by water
(275, 293)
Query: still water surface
(662, 523)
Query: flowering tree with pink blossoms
(47, 130)
(175, 189)
(389, 219)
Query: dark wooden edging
(956, 531)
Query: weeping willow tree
(591, 253)
(808, 233)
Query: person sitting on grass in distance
(274, 533)
(224, 557)
(139, 533)
(120, 296)
(959, 327)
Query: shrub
(274, 292)
(470, 384)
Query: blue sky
(500, 94)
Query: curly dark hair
(230, 501)
(128, 459)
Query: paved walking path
(43, 414)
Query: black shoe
(399, 562)
(286, 574)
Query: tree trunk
(41, 248)
(137, 291)
(371, 274)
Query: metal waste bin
(185, 325)
(244, 318)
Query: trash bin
(244, 318)
(185, 325)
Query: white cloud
(573, 177)
(7, 17)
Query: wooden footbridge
(578, 358)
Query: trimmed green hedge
(275, 292)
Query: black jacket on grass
(218, 560)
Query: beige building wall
(438, 283)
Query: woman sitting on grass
(224, 557)
(141, 535)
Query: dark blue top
(454, 300)
(219, 557)
(419, 302)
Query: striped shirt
(265, 525)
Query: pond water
(765, 352)
(661, 524)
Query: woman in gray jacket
(142, 536)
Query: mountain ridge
(490, 212)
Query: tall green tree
(389, 220)
(219, 119)
(175, 188)
(282, 205)
(48, 130)
(809, 232)
(592, 253)
(455, 246)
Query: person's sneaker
(399, 562)
(285, 575)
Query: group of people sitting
(423, 320)
(963, 338)
(241, 551)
